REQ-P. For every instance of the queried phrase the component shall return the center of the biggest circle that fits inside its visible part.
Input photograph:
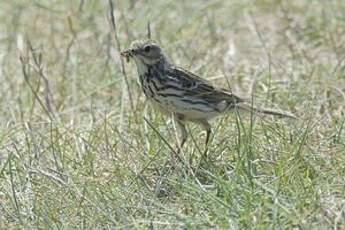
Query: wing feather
(199, 88)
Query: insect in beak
(127, 53)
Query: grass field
(80, 147)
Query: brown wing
(199, 88)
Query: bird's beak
(127, 53)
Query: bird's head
(145, 53)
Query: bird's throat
(141, 66)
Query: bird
(183, 94)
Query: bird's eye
(147, 48)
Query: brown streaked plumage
(181, 93)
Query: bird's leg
(207, 127)
(181, 138)
(182, 129)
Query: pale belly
(189, 111)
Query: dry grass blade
(25, 62)
(118, 45)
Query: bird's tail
(252, 109)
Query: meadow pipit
(181, 93)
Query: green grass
(80, 147)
